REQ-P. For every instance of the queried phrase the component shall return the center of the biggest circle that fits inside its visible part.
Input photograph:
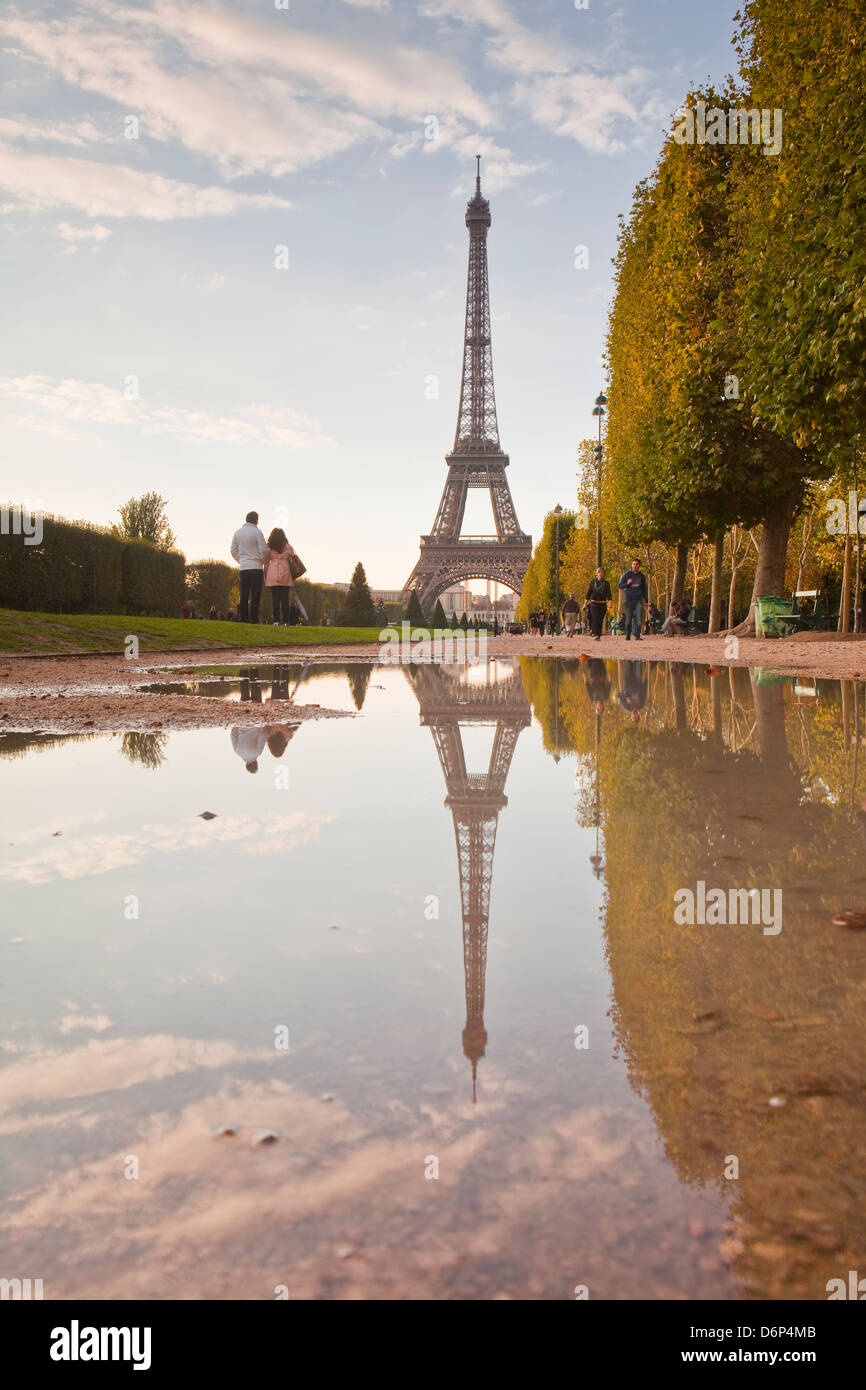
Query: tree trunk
(735, 568)
(845, 605)
(716, 594)
(679, 579)
(772, 554)
(696, 568)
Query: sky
(233, 259)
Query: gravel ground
(70, 694)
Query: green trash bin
(767, 607)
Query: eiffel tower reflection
(452, 697)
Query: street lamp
(557, 512)
(599, 410)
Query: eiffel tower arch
(476, 460)
(475, 800)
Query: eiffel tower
(475, 799)
(477, 459)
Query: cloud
(49, 404)
(69, 233)
(111, 190)
(73, 235)
(250, 94)
(77, 133)
(556, 87)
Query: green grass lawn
(49, 633)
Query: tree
(211, 584)
(438, 619)
(464, 622)
(358, 610)
(414, 611)
(695, 453)
(144, 518)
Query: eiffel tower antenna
(476, 460)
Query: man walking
(250, 549)
(598, 597)
(634, 587)
(570, 610)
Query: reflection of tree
(145, 748)
(358, 675)
(14, 745)
(740, 783)
(714, 1020)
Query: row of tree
(737, 337)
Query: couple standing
(263, 562)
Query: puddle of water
(337, 686)
(423, 975)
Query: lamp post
(557, 512)
(598, 409)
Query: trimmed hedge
(81, 568)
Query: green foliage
(414, 612)
(438, 619)
(358, 609)
(211, 583)
(83, 568)
(144, 519)
(799, 222)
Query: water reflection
(260, 682)
(612, 1167)
(453, 698)
(747, 1046)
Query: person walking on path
(570, 610)
(634, 586)
(598, 599)
(250, 549)
(278, 574)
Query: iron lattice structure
(477, 460)
(447, 705)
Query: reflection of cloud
(79, 856)
(97, 1023)
(216, 1218)
(111, 1064)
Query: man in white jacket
(250, 549)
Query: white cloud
(250, 94)
(73, 236)
(559, 89)
(96, 233)
(63, 133)
(50, 405)
(114, 190)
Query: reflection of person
(250, 549)
(279, 736)
(251, 690)
(597, 683)
(249, 741)
(633, 688)
(634, 587)
(598, 597)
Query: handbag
(297, 566)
